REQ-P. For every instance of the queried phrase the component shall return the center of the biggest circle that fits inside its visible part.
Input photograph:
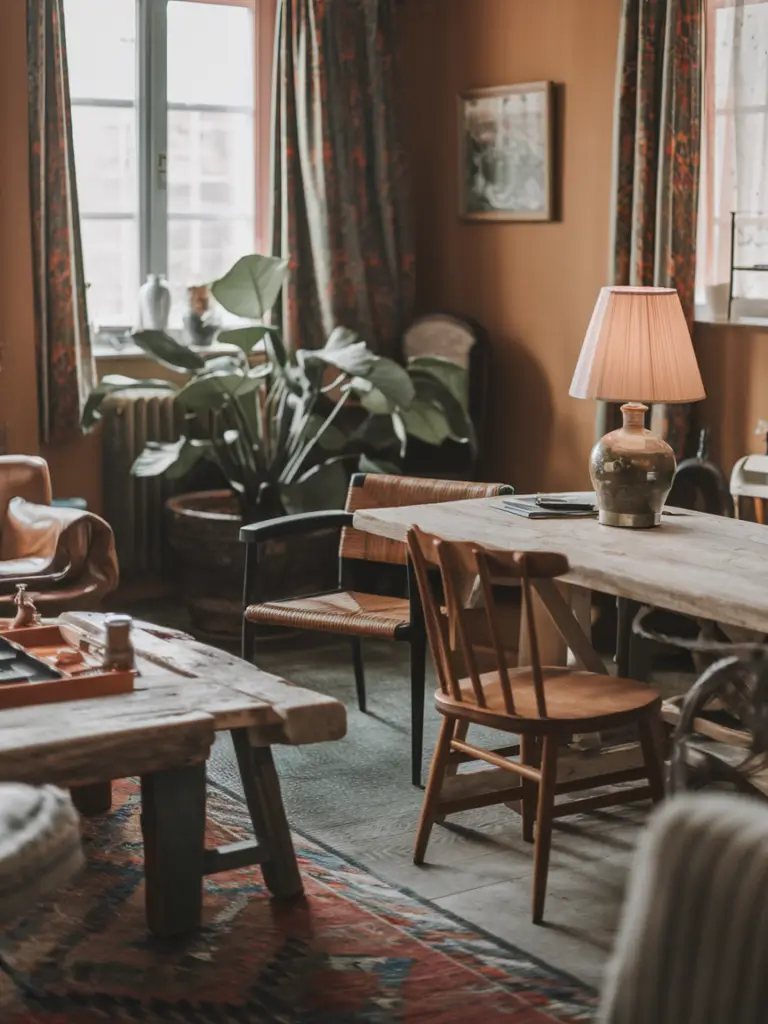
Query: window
(163, 121)
(734, 169)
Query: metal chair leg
(357, 661)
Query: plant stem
(295, 464)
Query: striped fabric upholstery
(374, 490)
(693, 944)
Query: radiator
(136, 506)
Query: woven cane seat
(346, 611)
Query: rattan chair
(373, 576)
(544, 706)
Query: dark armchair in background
(66, 556)
(464, 342)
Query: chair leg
(357, 661)
(434, 785)
(654, 762)
(247, 641)
(418, 676)
(528, 755)
(544, 825)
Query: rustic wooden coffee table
(162, 732)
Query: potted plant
(284, 433)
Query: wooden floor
(356, 797)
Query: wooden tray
(38, 647)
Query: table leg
(632, 652)
(173, 825)
(265, 805)
(92, 800)
(552, 649)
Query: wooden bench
(162, 732)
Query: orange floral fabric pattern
(66, 372)
(657, 157)
(341, 207)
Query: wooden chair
(369, 601)
(545, 706)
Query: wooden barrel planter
(209, 563)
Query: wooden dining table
(697, 564)
(700, 565)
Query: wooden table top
(184, 694)
(697, 564)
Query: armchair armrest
(288, 526)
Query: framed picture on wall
(505, 153)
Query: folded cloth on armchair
(47, 545)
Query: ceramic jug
(154, 304)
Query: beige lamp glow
(637, 350)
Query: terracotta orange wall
(532, 286)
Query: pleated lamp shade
(638, 349)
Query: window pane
(210, 163)
(101, 45)
(210, 54)
(211, 158)
(199, 251)
(105, 159)
(101, 48)
(111, 256)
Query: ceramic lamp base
(632, 472)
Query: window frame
(754, 309)
(152, 108)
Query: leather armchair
(65, 556)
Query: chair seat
(576, 701)
(345, 611)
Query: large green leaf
(453, 376)
(371, 399)
(192, 451)
(429, 389)
(355, 360)
(251, 287)
(174, 458)
(340, 338)
(375, 433)
(246, 338)
(384, 387)
(210, 391)
(427, 422)
(111, 384)
(322, 487)
(168, 351)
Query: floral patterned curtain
(341, 212)
(65, 365)
(656, 172)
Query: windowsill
(107, 352)
(752, 323)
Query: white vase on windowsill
(154, 304)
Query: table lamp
(637, 350)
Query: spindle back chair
(544, 705)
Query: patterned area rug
(355, 949)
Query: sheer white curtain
(734, 168)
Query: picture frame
(505, 153)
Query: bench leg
(270, 826)
(173, 825)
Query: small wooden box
(36, 649)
